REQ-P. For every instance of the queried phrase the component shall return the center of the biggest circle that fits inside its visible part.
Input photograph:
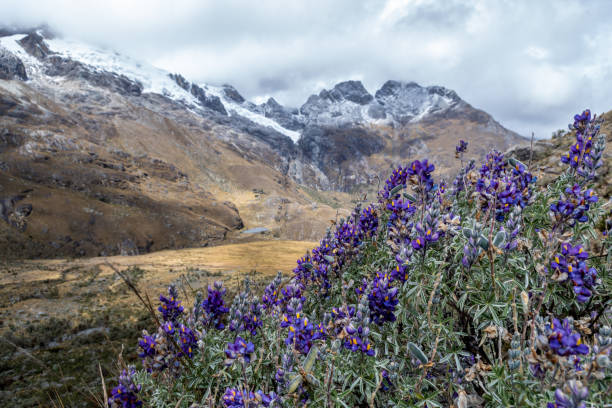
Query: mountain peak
(232, 93)
(353, 91)
(393, 87)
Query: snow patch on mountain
(11, 43)
(347, 103)
(153, 80)
(240, 110)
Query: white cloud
(532, 65)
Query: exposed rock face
(11, 67)
(405, 101)
(209, 101)
(15, 214)
(181, 81)
(34, 45)
(233, 94)
(353, 91)
(286, 117)
(118, 142)
(59, 66)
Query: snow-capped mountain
(103, 140)
(347, 103)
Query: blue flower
(461, 148)
(170, 308)
(188, 340)
(214, 305)
(571, 262)
(125, 395)
(239, 349)
(563, 341)
(302, 333)
(382, 300)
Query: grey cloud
(532, 65)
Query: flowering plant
(493, 293)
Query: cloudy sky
(531, 64)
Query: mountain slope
(101, 154)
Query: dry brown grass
(49, 308)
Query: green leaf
(499, 239)
(311, 358)
(329, 259)
(396, 190)
(295, 382)
(410, 197)
(418, 353)
(483, 242)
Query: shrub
(488, 294)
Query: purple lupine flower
(571, 264)
(400, 272)
(270, 298)
(147, 344)
(382, 300)
(188, 340)
(397, 178)
(357, 340)
(585, 130)
(563, 341)
(537, 371)
(239, 349)
(507, 187)
(573, 204)
(358, 330)
(422, 170)
(426, 234)
(577, 395)
(460, 148)
(214, 305)
(245, 312)
(125, 395)
(368, 222)
(459, 182)
(170, 308)
(386, 383)
(169, 327)
(470, 253)
(302, 271)
(302, 333)
(236, 398)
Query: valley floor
(59, 318)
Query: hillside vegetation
(62, 317)
(492, 291)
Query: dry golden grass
(73, 314)
(228, 261)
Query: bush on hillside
(485, 292)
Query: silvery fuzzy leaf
(467, 232)
(396, 190)
(483, 242)
(295, 382)
(329, 258)
(310, 359)
(410, 197)
(418, 353)
(499, 239)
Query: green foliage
(463, 333)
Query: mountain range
(102, 154)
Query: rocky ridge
(97, 129)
